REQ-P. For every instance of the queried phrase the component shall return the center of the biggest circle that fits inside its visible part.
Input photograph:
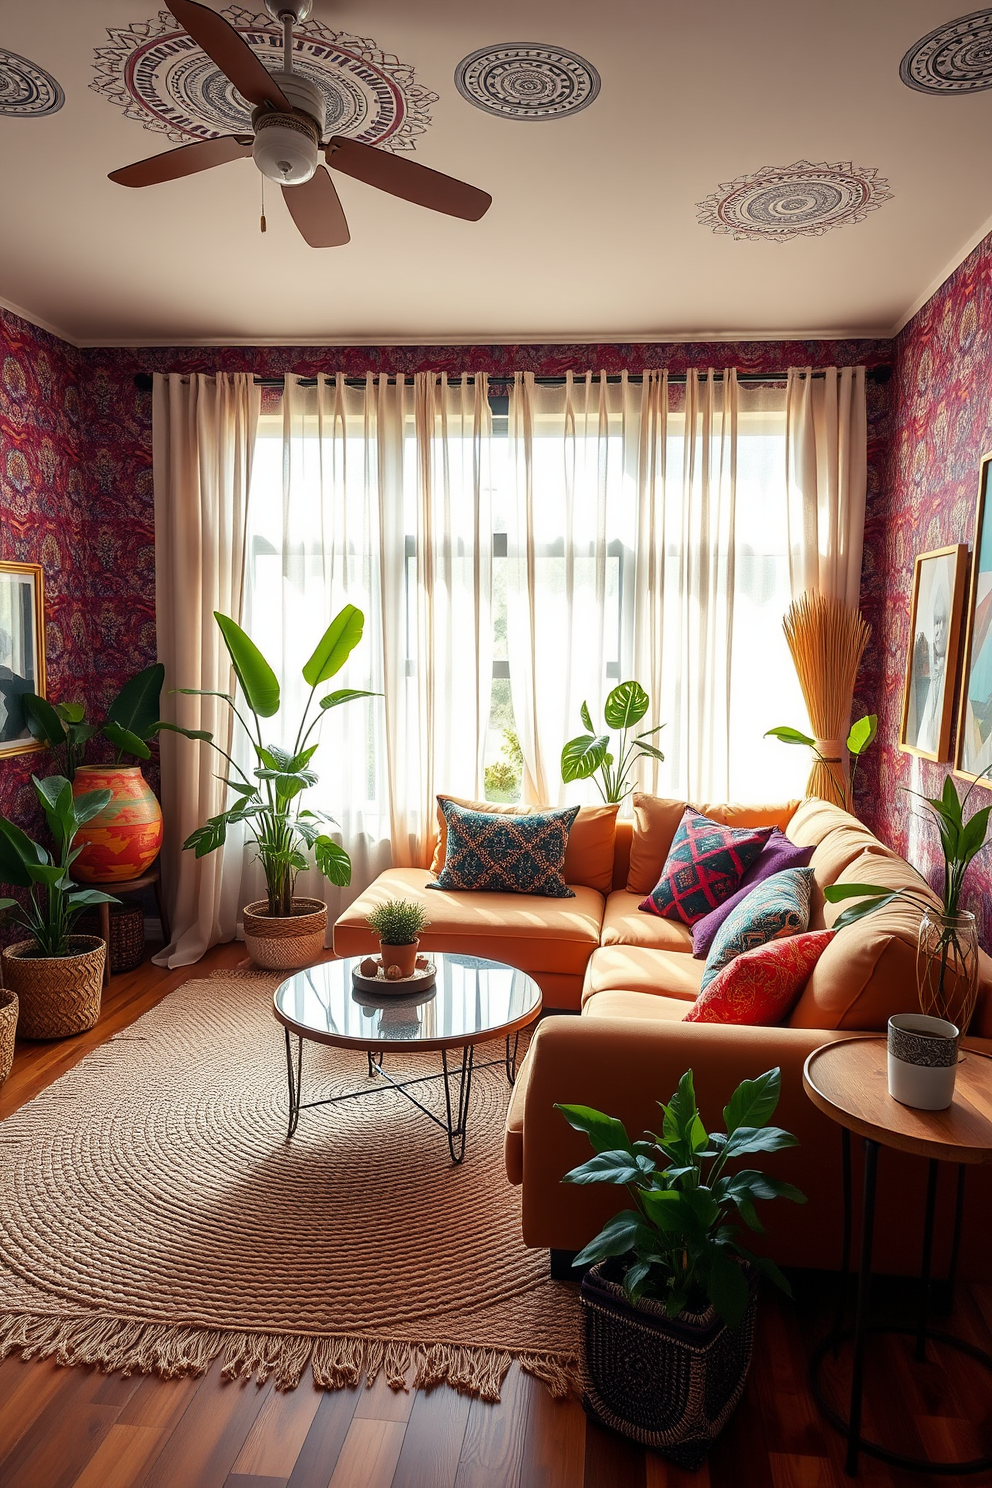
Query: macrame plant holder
(827, 640)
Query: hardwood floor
(69, 1428)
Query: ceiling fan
(288, 121)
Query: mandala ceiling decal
(159, 76)
(517, 81)
(955, 58)
(790, 201)
(27, 90)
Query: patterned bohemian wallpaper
(941, 425)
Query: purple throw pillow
(777, 854)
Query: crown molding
(502, 338)
(37, 322)
(969, 245)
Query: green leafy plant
(269, 801)
(860, 737)
(398, 921)
(677, 1243)
(588, 753)
(503, 775)
(53, 901)
(132, 719)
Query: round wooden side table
(848, 1081)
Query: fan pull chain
(261, 220)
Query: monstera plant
(611, 762)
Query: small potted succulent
(57, 976)
(669, 1301)
(398, 924)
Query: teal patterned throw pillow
(776, 907)
(506, 854)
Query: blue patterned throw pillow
(506, 854)
(776, 907)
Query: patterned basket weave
(668, 1383)
(285, 943)
(58, 995)
(8, 1028)
(127, 933)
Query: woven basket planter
(127, 934)
(58, 995)
(667, 1383)
(8, 1030)
(285, 942)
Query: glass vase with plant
(269, 800)
(589, 753)
(860, 736)
(398, 923)
(947, 958)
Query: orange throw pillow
(588, 857)
(762, 986)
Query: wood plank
(369, 1455)
(791, 1470)
(433, 1441)
(555, 1445)
(55, 1459)
(121, 1457)
(26, 1390)
(322, 1447)
(159, 1402)
(383, 1403)
(201, 1451)
(611, 1461)
(252, 1480)
(660, 1473)
(278, 1432)
(495, 1436)
(74, 1390)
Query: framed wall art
(932, 655)
(22, 651)
(973, 755)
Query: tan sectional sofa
(634, 977)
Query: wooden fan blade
(232, 54)
(317, 211)
(401, 177)
(185, 160)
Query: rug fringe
(127, 1346)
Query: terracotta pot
(285, 942)
(125, 838)
(8, 1030)
(58, 995)
(668, 1383)
(403, 956)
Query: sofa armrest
(624, 1067)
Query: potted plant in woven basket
(669, 1303)
(282, 932)
(398, 924)
(56, 975)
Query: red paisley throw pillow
(762, 986)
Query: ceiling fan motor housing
(287, 146)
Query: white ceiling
(593, 232)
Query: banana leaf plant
(859, 738)
(678, 1243)
(269, 801)
(52, 901)
(132, 719)
(588, 753)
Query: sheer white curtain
(826, 474)
(203, 431)
(377, 495)
(647, 537)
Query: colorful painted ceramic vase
(125, 838)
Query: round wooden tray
(379, 986)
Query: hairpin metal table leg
(457, 1115)
(295, 1077)
(511, 1057)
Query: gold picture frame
(22, 651)
(973, 748)
(932, 653)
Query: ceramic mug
(923, 1061)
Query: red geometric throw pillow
(705, 865)
(761, 987)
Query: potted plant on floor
(584, 755)
(282, 933)
(124, 839)
(56, 976)
(670, 1300)
(398, 924)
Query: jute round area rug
(155, 1217)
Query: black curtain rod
(143, 380)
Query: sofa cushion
(656, 821)
(625, 923)
(621, 1004)
(534, 934)
(760, 986)
(639, 969)
(776, 856)
(588, 856)
(705, 865)
(776, 908)
(506, 854)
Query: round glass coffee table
(473, 1001)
